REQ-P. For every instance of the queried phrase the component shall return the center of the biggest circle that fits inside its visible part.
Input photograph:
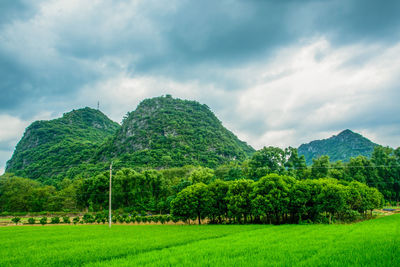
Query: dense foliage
(174, 156)
(342, 147)
(273, 186)
(162, 132)
(49, 149)
(168, 132)
(276, 199)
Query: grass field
(369, 243)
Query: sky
(276, 73)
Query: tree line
(153, 191)
(275, 199)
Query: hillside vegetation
(343, 146)
(168, 132)
(162, 132)
(51, 148)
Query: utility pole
(109, 201)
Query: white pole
(109, 201)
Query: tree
(300, 196)
(271, 197)
(191, 203)
(384, 159)
(16, 192)
(219, 204)
(229, 172)
(239, 201)
(320, 167)
(296, 166)
(333, 197)
(202, 175)
(265, 161)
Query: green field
(372, 243)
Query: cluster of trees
(150, 190)
(275, 199)
(381, 171)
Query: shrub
(55, 220)
(76, 219)
(16, 220)
(87, 218)
(120, 219)
(156, 219)
(138, 219)
(174, 219)
(66, 219)
(31, 220)
(162, 219)
(43, 220)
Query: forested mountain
(161, 132)
(342, 147)
(50, 148)
(165, 132)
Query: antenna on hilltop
(98, 105)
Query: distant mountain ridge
(342, 147)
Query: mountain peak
(346, 132)
(342, 147)
(47, 146)
(165, 131)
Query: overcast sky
(274, 72)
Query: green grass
(369, 243)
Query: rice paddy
(369, 243)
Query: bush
(174, 219)
(138, 219)
(155, 219)
(43, 220)
(162, 219)
(350, 215)
(16, 220)
(66, 219)
(76, 219)
(31, 220)
(120, 219)
(87, 218)
(55, 220)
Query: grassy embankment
(372, 243)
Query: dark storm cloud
(180, 42)
(359, 20)
(16, 9)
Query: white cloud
(308, 89)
